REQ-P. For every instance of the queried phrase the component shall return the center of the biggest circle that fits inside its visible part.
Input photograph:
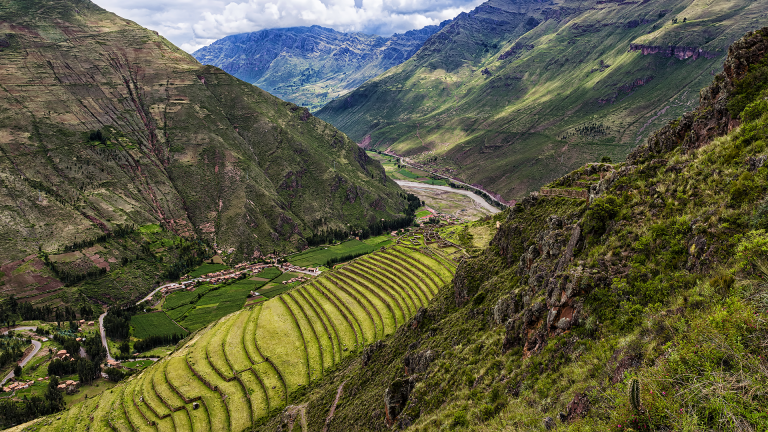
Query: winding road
(478, 199)
(104, 334)
(28, 357)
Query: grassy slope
(665, 285)
(189, 146)
(515, 128)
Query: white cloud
(192, 24)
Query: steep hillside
(310, 66)
(643, 308)
(517, 93)
(105, 124)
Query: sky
(192, 24)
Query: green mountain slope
(644, 308)
(310, 66)
(518, 93)
(104, 123)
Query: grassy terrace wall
(235, 371)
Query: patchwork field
(154, 324)
(235, 371)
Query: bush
(460, 419)
(600, 212)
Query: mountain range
(310, 66)
(516, 93)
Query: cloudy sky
(191, 24)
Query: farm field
(207, 303)
(154, 324)
(251, 360)
(218, 303)
(320, 255)
(405, 173)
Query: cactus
(634, 394)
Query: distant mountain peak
(311, 65)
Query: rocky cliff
(310, 66)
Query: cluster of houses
(20, 385)
(64, 355)
(188, 285)
(295, 279)
(288, 267)
(68, 386)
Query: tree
(17, 371)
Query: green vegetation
(320, 255)
(269, 273)
(139, 364)
(207, 268)
(254, 361)
(154, 324)
(217, 303)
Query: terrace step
(406, 297)
(326, 315)
(348, 336)
(257, 395)
(319, 328)
(357, 309)
(390, 275)
(313, 346)
(410, 277)
(279, 340)
(234, 346)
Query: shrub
(600, 212)
(460, 419)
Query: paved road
(26, 359)
(478, 199)
(104, 335)
(149, 296)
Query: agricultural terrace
(236, 370)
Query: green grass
(139, 364)
(423, 213)
(277, 290)
(286, 276)
(184, 297)
(269, 273)
(207, 268)
(320, 255)
(215, 302)
(154, 324)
